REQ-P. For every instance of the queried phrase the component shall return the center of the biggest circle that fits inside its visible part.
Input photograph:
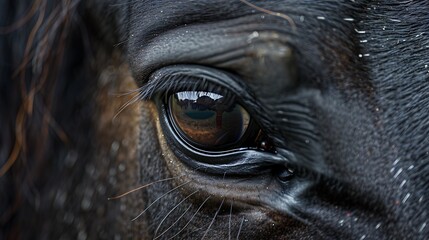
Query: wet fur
(57, 115)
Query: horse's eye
(208, 120)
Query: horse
(214, 119)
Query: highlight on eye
(208, 120)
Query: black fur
(341, 92)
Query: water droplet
(123, 207)
(252, 36)
(101, 189)
(402, 183)
(82, 235)
(68, 218)
(397, 173)
(60, 199)
(396, 161)
(70, 159)
(422, 227)
(86, 203)
(121, 167)
(114, 147)
(406, 197)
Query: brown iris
(208, 120)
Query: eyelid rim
(243, 161)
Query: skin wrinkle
(343, 97)
(327, 7)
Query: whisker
(241, 225)
(163, 195)
(190, 220)
(133, 100)
(141, 187)
(171, 211)
(277, 14)
(214, 218)
(120, 43)
(177, 220)
(229, 223)
(129, 92)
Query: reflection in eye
(208, 120)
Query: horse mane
(33, 36)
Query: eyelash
(169, 83)
(169, 80)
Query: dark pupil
(207, 119)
